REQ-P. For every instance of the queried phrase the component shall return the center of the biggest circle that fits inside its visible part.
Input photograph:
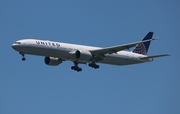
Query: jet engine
(81, 55)
(52, 61)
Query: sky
(31, 87)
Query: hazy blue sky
(31, 87)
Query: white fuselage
(65, 51)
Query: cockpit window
(17, 42)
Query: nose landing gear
(23, 56)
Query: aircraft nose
(15, 46)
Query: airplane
(56, 52)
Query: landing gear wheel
(79, 69)
(97, 66)
(72, 67)
(94, 65)
(23, 59)
(76, 67)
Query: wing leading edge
(115, 49)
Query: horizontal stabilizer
(155, 56)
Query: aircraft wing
(115, 49)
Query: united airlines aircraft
(57, 52)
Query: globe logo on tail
(140, 49)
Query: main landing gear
(76, 67)
(93, 65)
(23, 56)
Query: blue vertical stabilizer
(142, 48)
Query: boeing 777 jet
(57, 52)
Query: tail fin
(142, 48)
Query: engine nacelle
(81, 55)
(52, 61)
